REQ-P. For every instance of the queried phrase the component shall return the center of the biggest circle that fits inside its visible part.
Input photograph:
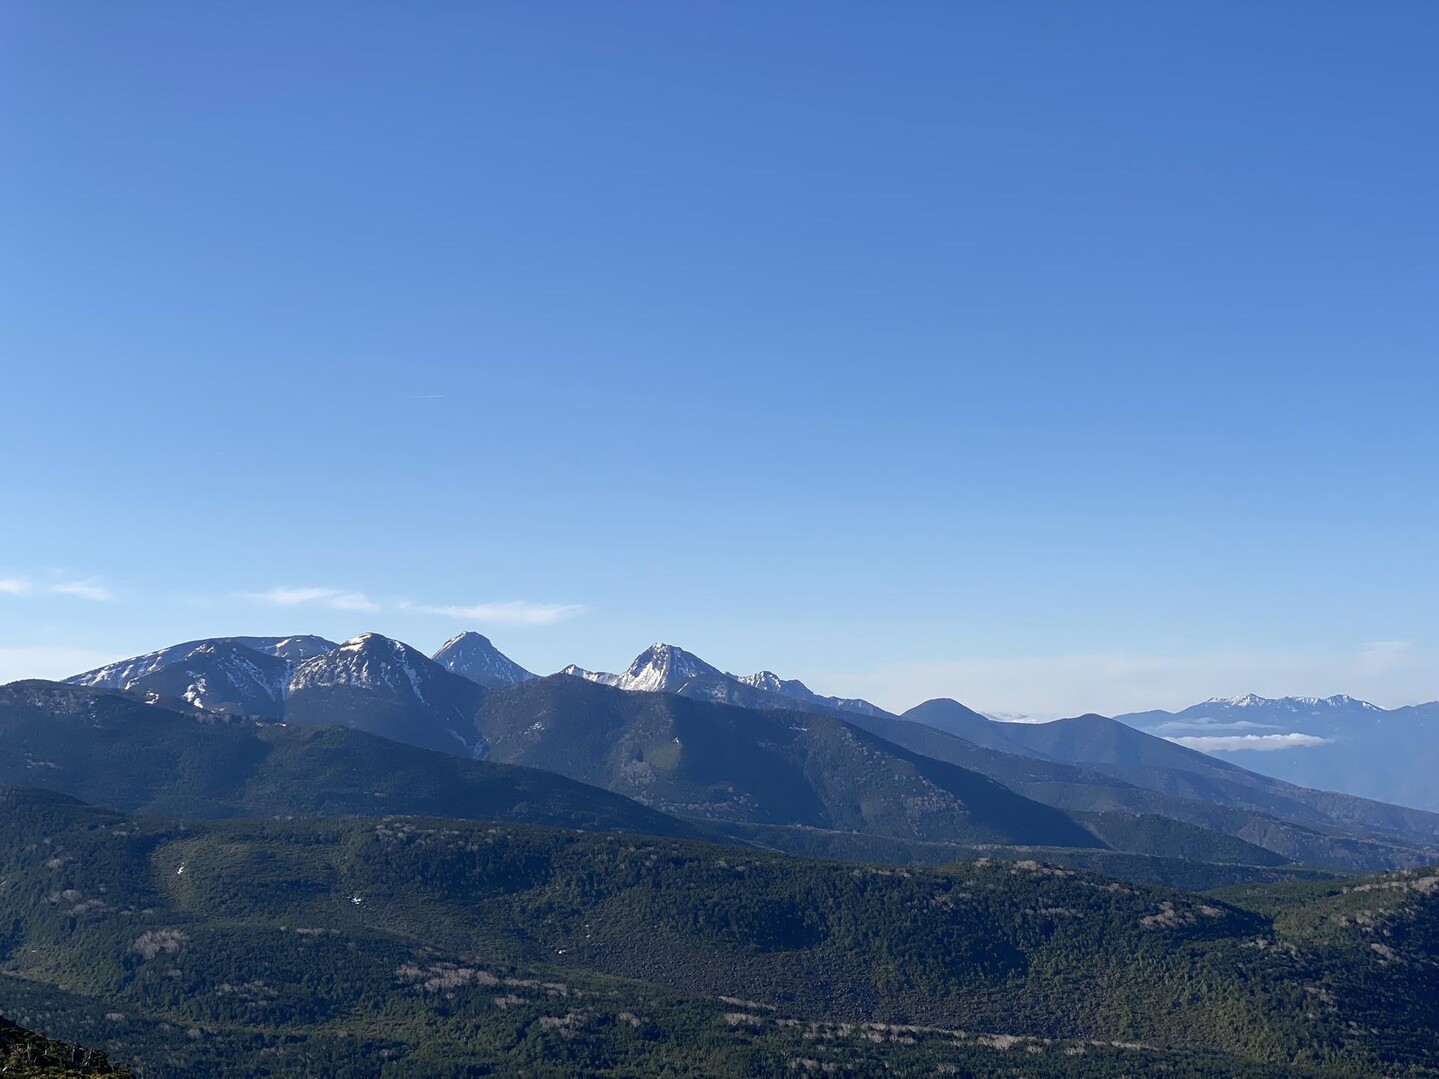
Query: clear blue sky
(1051, 356)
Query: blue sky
(1050, 356)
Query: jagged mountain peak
(660, 668)
(472, 655)
(574, 670)
(665, 667)
(773, 683)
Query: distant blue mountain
(1335, 743)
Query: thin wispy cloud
(89, 588)
(336, 599)
(511, 613)
(1237, 727)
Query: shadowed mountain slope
(1313, 827)
(383, 686)
(118, 751)
(710, 761)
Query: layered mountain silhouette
(122, 751)
(710, 761)
(1336, 743)
(761, 752)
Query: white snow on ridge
(666, 668)
(1294, 704)
(124, 673)
(660, 668)
(368, 660)
(602, 677)
(767, 681)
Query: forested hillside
(431, 943)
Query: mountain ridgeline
(682, 736)
(283, 856)
(132, 754)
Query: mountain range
(291, 855)
(769, 759)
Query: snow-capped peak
(665, 668)
(472, 656)
(660, 668)
(371, 661)
(765, 680)
(602, 677)
(785, 687)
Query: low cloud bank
(1264, 743)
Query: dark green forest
(412, 946)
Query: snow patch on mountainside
(236, 671)
(123, 674)
(369, 661)
(664, 668)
